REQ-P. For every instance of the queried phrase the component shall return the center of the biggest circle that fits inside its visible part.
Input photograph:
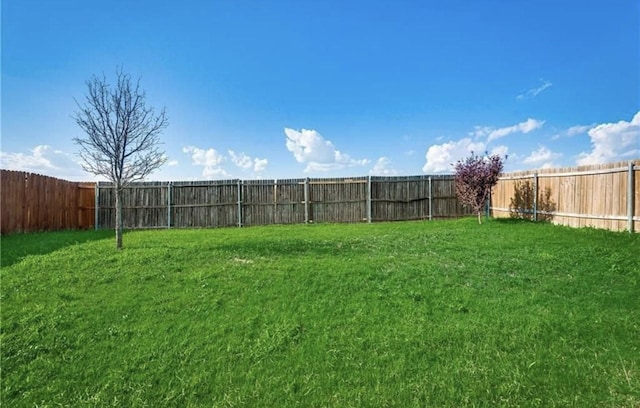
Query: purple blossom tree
(475, 177)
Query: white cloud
(533, 92)
(259, 165)
(38, 160)
(572, 131)
(383, 168)
(440, 158)
(245, 161)
(612, 142)
(523, 127)
(501, 151)
(308, 146)
(241, 160)
(527, 126)
(578, 130)
(45, 160)
(210, 159)
(542, 157)
(479, 131)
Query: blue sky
(324, 88)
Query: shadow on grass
(512, 221)
(15, 247)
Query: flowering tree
(475, 177)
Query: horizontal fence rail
(602, 196)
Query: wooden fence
(604, 196)
(32, 202)
(601, 196)
(262, 202)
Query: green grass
(409, 314)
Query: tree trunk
(480, 217)
(118, 217)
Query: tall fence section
(602, 196)
(32, 202)
(261, 202)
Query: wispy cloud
(492, 134)
(319, 154)
(572, 131)
(613, 142)
(578, 130)
(533, 92)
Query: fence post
(369, 215)
(169, 205)
(430, 200)
(239, 203)
(535, 196)
(97, 206)
(275, 201)
(630, 197)
(306, 200)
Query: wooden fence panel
(338, 200)
(259, 202)
(144, 205)
(204, 204)
(585, 196)
(13, 201)
(86, 205)
(445, 201)
(106, 207)
(33, 202)
(290, 206)
(400, 198)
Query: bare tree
(122, 135)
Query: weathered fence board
(601, 196)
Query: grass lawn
(408, 314)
